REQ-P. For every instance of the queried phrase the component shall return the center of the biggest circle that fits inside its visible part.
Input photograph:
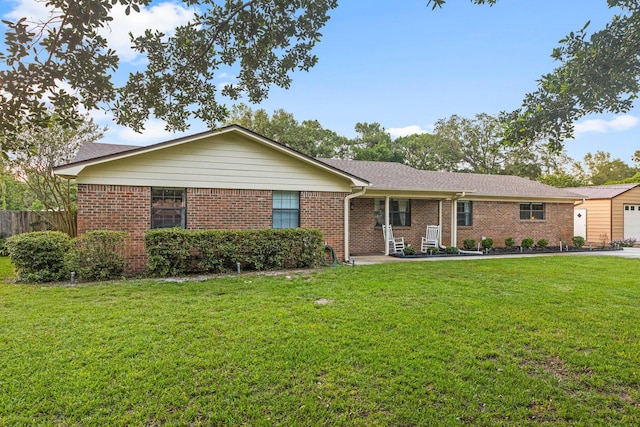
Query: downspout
(347, 201)
(579, 203)
(454, 218)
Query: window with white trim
(286, 209)
(464, 210)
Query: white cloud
(163, 17)
(154, 131)
(407, 130)
(34, 11)
(618, 124)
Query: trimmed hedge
(98, 255)
(176, 251)
(39, 256)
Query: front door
(580, 223)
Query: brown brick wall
(117, 207)
(499, 220)
(325, 211)
(213, 209)
(366, 238)
(127, 208)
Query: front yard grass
(549, 340)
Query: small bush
(469, 244)
(3, 248)
(98, 255)
(542, 243)
(487, 243)
(527, 243)
(578, 241)
(39, 256)
(509, 242)
(625, 243)
(410, 250)
(451, 250)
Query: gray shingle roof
(603, 191)
(93, 150)
(395, 176)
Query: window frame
(467, 216)
(394, 215)
(155, 210)
(279, 214)
(531, 213)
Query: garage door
(632, 221)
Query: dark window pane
(399, 212)
(286, 209)
(168, 208)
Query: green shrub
(542, 243)
(410, 250)
(451, 250)
(578, 241)
(509, 242)
(98, 255)
(469, 244)
(3, 248)
(527, 243)
(487, 243)
(168, 251)
(39, 256)
(176, 251)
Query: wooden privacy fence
(16, 222)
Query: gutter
(346, 220)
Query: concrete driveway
(382, 259)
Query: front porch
(367, 216)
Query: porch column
(386, 221)
(440, 221)
(454, 222)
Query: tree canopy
(56, 69)
(44, 149)
(597, 73)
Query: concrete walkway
(382, 259)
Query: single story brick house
(609, 212)
(232, 178)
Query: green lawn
(549, 340)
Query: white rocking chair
(432, 239)
(395, 245)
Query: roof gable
(102, 157)
(603, 191)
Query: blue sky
(405, 66)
